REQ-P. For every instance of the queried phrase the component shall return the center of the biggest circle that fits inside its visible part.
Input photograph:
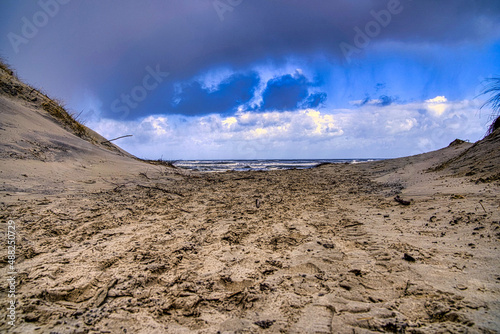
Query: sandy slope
(112, 245)
(38, 156)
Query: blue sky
(227, 79)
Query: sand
(109, 244)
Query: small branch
(353, 225)
(480, 202)
(161, 189)
(401, 201)
(107, 141)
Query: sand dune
(109, 244)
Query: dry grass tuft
(160, 162)
(60, 114)
(493, 89)
(6, 68)
(11, 85)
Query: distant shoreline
(259, 164)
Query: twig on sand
(401, 201)
(161, 189)
(353, 225)
(181, 209)
(118, 185)
(481, 202)
(145, 175)
(244, 178)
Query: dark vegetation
(65, 118)
(493, 90)
(11, 85)
(160, 162)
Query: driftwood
(244, 178)
(480, 202)
(108, 141)
(401, 201)
(161, 189)
(353, 225)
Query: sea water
(256, 165)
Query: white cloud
(213, 78)
(363, 132)
(437, 99)
(398, 126)
(437, 105)
(159, 125)
(229, 121)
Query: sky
(262, 79)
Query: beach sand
(109, 244)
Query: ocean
(257, 165)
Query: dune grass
(6, 67)
(493, 89)
(11, 85)
(57, 111)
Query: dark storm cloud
(106, 46)
(187, 98)
(284, 93)
(386, 100)
(290, 92)
(314, 100)
(381, 101)
(232, 92)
